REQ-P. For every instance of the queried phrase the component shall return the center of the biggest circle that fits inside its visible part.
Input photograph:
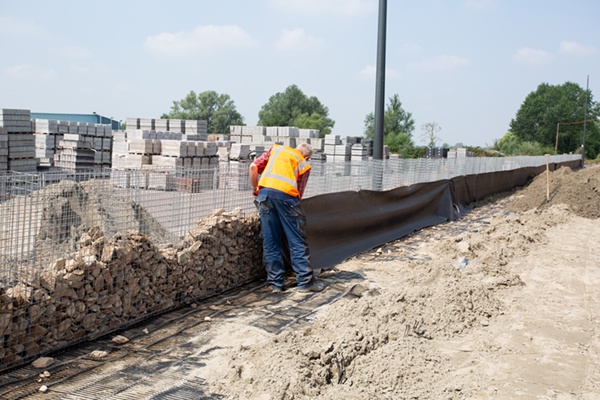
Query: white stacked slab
(138, 161)
(63, 127)
(239, 152)
(132, 123)
(308, 133)
(161, 125)
(147, 124)
(174, 148)
(46, 126)
(359, 152)
(196, 127)
(176, 125)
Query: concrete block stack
(3, 149)
(359, 152)
(270, 135)
(75, 152)
(336, 150)
(120, 149)
(461, 152)
(240, 151)
(46, 140)
(17, 125)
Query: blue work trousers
(281, 213)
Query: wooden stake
(547, 179)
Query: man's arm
(257, 167)
(302, 181)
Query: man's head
(306, 150)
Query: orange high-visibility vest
(283, 170)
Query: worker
(285, 172)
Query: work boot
(277, 289)
(313, 287)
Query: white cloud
(370, 72)
(75, 52)
(28, 71)
(531, 56)
(478, 4)
(21, 27)
(201, 39)
(342, 8)
(413, 48)
(298, 40)
(576, 49)
(439, 63)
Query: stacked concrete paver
(21, 142)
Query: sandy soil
(520, 321)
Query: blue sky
(465, 64)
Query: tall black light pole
(584, 122)
(380, 95)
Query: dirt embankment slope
(520, 321)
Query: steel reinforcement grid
(86, 253)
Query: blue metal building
(89, 118)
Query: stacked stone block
(17, 126)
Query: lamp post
(379, 97)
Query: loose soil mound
(383, 345)
(580, 191)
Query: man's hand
(254, 192)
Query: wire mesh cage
(85, 253)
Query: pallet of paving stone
(120, 148)
(106, 156)
(195, 127)
(118, 161)
(47, 126)
(239, 152)
(132, 123)
(174, 148)
(45, 141)
(20, 152)
(22, 165)
(141, 134)
(195, 138)
(177, 125)
(332, 139)
(147, 124)
(16, 120)
(162, 125)
(210, 148)
(74, 144)
(63, 127)
(141, 146)
(106, 143)
(138, 161)
(163, 181)
(45, 162)
(44, 153)
(166, 161)
(73, 127)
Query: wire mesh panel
(84, 253)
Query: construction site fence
(86, 253)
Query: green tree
(396, 120)
(543, 109)
(293, 108)
(511, 144)
(218, 110)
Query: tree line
(532, 131)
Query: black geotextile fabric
(340, 225)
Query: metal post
(556, 147)
(584, 122)
(379, 96)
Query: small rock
(43, 388)
(193, 305)
(208, 319)
(46, 374)
(40, 380)
(120, 339)
(146, 331)
(42, 362)
(98, 354)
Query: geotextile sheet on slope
(340, 225)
